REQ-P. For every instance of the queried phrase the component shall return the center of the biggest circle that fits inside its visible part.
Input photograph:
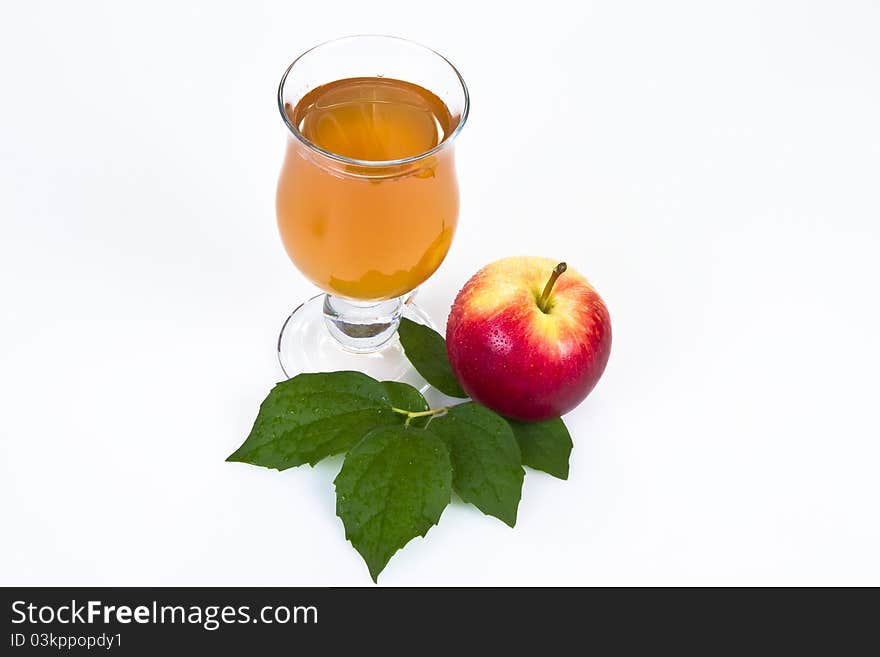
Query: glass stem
(362, 326)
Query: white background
(712, 167)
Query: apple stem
(544, 301)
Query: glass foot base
(307, 345)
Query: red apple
(528, 337)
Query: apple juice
(368, 227)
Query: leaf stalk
(411, 415)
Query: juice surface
(372, 118)
(358, 231)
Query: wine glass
(367, 200)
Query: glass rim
(373, 163)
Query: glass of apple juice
(367, 199)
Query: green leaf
(312, 416)
(426, 350)
(544, 445)
(485, 457)
(393, 486)
(405, 396)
